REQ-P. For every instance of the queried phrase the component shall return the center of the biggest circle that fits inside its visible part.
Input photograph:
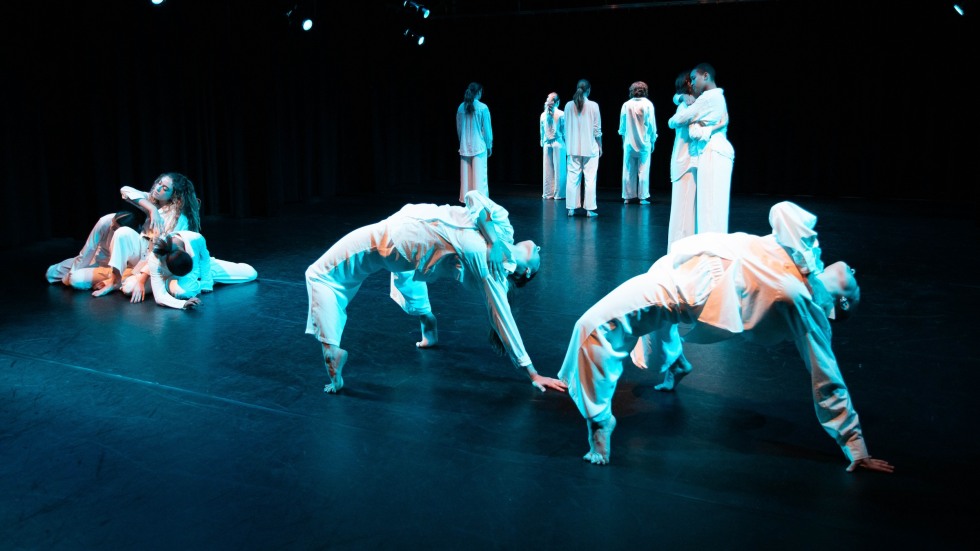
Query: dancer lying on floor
(473, 244)
(769, 288)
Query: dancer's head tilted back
(176, 189)
(840, 282)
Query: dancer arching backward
(770, 288)
(473, 244)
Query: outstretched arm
(503, 323)
(831, 399)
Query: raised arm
(141, 199)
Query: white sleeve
(203, 257)
(503, 321)
(161, 294)
(477, 203)
(831, 400)
(132, 194)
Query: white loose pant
(581, 168)
(606, 335)
(636, 174)
(473, 175)
(714, 187)
(555, 170)
(682, 208)
(334, 279)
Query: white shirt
(709, 109)
(191, 284)
(552, 128)
(753, 285)
(173, 219)
(680, 156)
(473, 129)
(443, 241)
(638, 125)
(583, 129)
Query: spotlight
(958, 8)
(414, 37)
(156, 2)
(301, 15)
(418, 8)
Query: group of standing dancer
(571, 141)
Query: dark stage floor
(129, 426)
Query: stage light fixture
(414, 37)
(301, 15)
(958, 8)
(418, 8)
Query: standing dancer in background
(683, 188)
(638, 127)
(475, 141)
(583, 131)
(551, 129)
(707, 119)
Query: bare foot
(600, 435)
(430, 333)
(334, 357)
(677, 371)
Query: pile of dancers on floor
(155, 247)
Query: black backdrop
(827, 98)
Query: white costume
(721, 285)
(173, 291)
(683, 188)
(583, 129)
(552, 133)
(638, 127)
(173, 219)
(91, 264)
(715, 157)
(475, 141)
(417, 244)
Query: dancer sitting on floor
(770, 288)
(473, 244)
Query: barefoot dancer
(770, 289)
(473, 244)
